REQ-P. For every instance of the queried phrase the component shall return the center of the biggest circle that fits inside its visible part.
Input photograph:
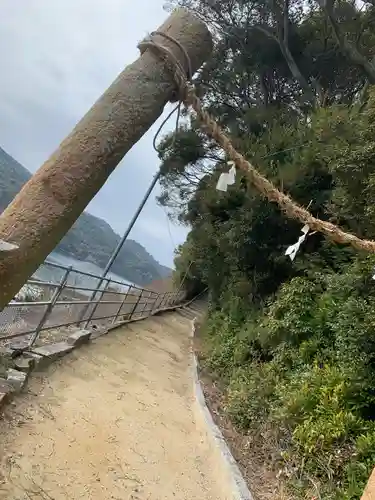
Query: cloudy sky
(56, 58)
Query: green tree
(292, 342)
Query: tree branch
(282, 38)
(348, 48)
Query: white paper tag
(292, 250)
(227, 178)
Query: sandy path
(115, 420)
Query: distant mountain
(91, 238)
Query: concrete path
(116, 419)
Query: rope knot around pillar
(181, 75)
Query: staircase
(195, 310)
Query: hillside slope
(91, 238)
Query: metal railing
(66, 298)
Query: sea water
(53, 274)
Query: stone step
(186, 314)
(53, 351)
(197, 312)
(198, 306)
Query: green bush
(250, 394)
(220, 337)
(313, 403)
(305, 365)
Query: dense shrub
(305, 365)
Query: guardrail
(64, 298)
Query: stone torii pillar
(54, 198)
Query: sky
(56, 59)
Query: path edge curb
(240, 488)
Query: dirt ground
(117, 419)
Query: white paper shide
(227, 178)
(292, 250)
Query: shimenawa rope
(188, 96)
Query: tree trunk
(348, 48)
